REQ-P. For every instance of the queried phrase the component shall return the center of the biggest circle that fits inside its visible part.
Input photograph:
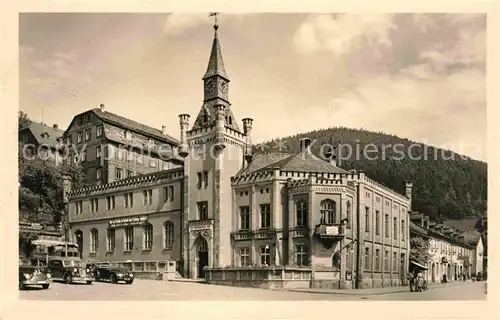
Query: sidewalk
(375, 291)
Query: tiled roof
(464, 224)
(299, 162)
(417, 229)
(38, 130)
(215, 63)
(134, 126)
(472, 237)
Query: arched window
(328, 211)
(205, 119)
(230, 120)
(129, 238)
(169, 235)
(301, 216)
(148, 237)
(94, 240)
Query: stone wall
(260, 277)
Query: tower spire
(215, 62)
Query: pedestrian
(410, 280)
(419, 281)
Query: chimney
(305, 145)
(101, 107)
(408, 188)
(164, 130)
(55, 126)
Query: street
(149, 290)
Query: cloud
(177, 23)
(344, 33)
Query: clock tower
(215, 149)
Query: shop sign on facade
(127, 222)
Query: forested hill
(446, 185)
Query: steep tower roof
(215, 63)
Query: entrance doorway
(202, 256)
(433, 272)
(79, 242)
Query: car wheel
(45, 286)
(129, 282)
(89, 282)
(68, 279)
(114, 279)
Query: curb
(348, 293)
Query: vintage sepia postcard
(248, 156)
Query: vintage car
(69, 270)
(106, 272)
(30, 275)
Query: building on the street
(451, 253)
(41, 140)
(110, 147)
(226, 206)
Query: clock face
(210, 85)
(223, 87)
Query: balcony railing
(328, 234)
(200, 224)
(242, 235)
(299, 232)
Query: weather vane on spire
(214, 14)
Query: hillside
(446, 185)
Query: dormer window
(205, 119)
(230, 120)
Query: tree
(40, 187)
(23, 120)
(26, 245)
(419, 250)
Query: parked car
(69, 270)
(105, 272)
(30, 275)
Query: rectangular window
(110, 203)
(148, 197)
(386, 261)
(367, 219)
(129, 238)
(377, 222)
(130, 173)
(129, 200)
(99, 131)
(395, 232)
(245, 218)
(377, 260)
(265, 216)
(139, 158)
(171, 193)
(94, 241)
(301, 213)
(130, 155)
(386, 225)
(84, 155)
(367, 259)
(198, 183)
(394, 261)
(78, 207)
(244, 257)
(118, 173)
(202, 210)
(301, 256)
(403, 234)
(110, 240)
(98, 152)
(119, 153)
(94, 205)
(98, 173)
(205, 179)
(148, 237)
(87, 134)
(79, 137)
(265, 256)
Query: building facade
(110, 147)
(451, 256)
(41, 140)
(225, 206)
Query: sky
(417, 76)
